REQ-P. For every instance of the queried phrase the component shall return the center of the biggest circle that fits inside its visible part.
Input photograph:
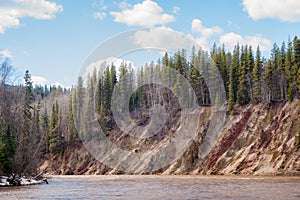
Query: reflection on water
(159, 187)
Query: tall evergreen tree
(107, 91)
(233, 81)
(7, 150)
(46, 131)
(242, 93)
(25, 150)
(72, 133)
(257, 71)
(288, 71)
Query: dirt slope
(260, 139)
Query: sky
(54, 38)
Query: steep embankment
(259, 139)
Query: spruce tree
(233, 74)
(287, 70)
(46, 131)
(242, 91)
(72, 133)
(25, 148)
(257, 70)
(107, 92)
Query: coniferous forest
(37, 121)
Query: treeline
(26, 129)
(36, 121)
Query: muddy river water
(159, 187)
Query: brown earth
(260, 139)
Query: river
(159, 187)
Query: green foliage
(233, 79)
(72, 133)
(7, 150)
(55, 136)
(242, 91)
(257, 70)
(246, 78)
(107, 92)
(46, 130)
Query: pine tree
(99, 95)
(257, 70)
(24, 147)
(195, 79)
(224, 69)
(7, 150)
(242, 93)
(55, 134)
(233, 74)
(295, 68)
(249, 73)
(269, 74)
(107, 92)
(45, 130)
(287, 70)
(72, 133)
(113, 77)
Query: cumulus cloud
(38, 80)
(284, 10)
(99, 15)
(231, 39)
(205, 33)
(102, 64)
(14, 10)
(147, 13)
(162, 38)
(197, 26)
(5, 53)
(167, 39)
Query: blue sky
(52, 38)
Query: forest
(39, 121)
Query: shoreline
(179, 176)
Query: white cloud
(60, 85)
(99, 15)
(205, 33)
(231, 39)
(14, 10)
(167, 39)
(101, 65)
(147, 13)
(162, 38)
(284, 10)
(176, 10)
(5, 53)
(38, 80)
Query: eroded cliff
(260, 139)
